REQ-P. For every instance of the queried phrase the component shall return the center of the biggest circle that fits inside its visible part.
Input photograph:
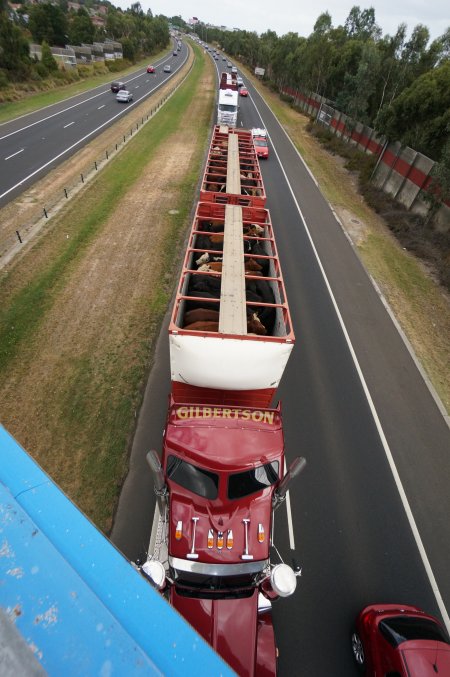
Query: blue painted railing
(79, 605)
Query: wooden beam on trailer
(233, 168)
(233, 312)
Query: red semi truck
(222, 470)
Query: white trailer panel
(227, 363)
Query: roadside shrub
(41, 70)
(84, 71)
(100, 68)
(116, 65)
(34, 75)
(272, 86)
(287, 98)
(60, 75)
(297, 107)
(68, 75)
(47, 58)
(322, 133)
(65, 77)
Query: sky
(284, 16)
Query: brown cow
(250, 265)
(205, 325)
(200, 315)
(254, 325)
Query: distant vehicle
(175, 53)
(243, 91)
(240, 81)
(216, 57)
(150, 69)
(260, 141)
(224, 58)
(167, 68)
(124, 96)
(233, 69)
(400, 640)
(229, 64)
(117, 86)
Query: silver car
(167, 68)
(124, 96)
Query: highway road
(370, 512)
(33, 144)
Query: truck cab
(221, 469)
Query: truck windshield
(226, 107)
(253, 480)
(199, 481)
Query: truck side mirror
(296, 467)
(152, 459)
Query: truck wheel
(358, 651)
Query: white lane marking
(288, 514)
(289, 520)
(14, 154)
(384, 442)
(69, 125)
(100, 107)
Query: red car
(392, 639)
(243, 91)
(260, 141)
(150, 69)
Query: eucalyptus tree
(390, 53)
(268, 42)
(361, 24)
(317, 55)
(420, 116)
(282, 60)
(81, 28)
(14, 50)
(354, 98)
